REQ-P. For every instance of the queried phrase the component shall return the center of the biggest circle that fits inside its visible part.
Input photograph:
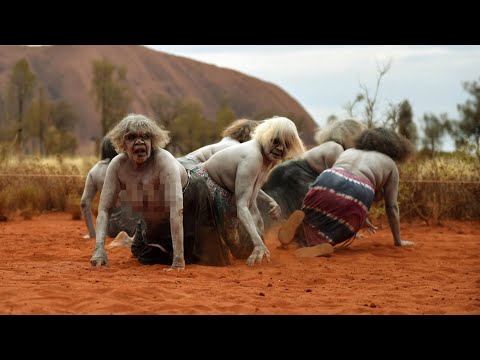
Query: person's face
(138, 145)
(277, 150)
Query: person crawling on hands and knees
(236, 133)
(289, 182)
(337, 204)
(235, 176)
(121, 218)
(155, 186)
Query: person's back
(222, 166)
(236, 133)
(337, 204)
(97, 173)
(288, 182)
(242, 170)
(372, 165)
(323, 156)
(94, 183)
(121, 218)
(205, 152)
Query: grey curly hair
(343, 132)
(137, 122)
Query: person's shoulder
(117, 161)
(380, 155)
(163, 158)
(251, 153)
(378, 161)
(251, 147)
(334, 146)
(98, 171)
(160, 152)
(229, 140)
(230, 149)
(327, 147)
(95, 168)
(223, 145)
(103, 162)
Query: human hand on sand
(257, 255)
(275, 210)
(99, 257)
(370, 227)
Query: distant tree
(3, 113)
(60, 142)
(165, 109)
(49, 124)
(331, 119)
(21, 86)
(38, 119)
(110, 88)
(350, 106)
(400, 118)
(434, 130)
(369, 100)
(6, 130)
(189, 129)
(467, 131)
(63, 115)
(391, 116)
(224, 117)
(406, 125)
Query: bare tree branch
(349, 106)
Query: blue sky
(323, 78)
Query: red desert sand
(45, 269)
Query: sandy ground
(45, 269)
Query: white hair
(283, 129)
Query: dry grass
(30, 185)
(445, 187)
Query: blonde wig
(283, 129)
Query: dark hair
(388, 142)
(107, 150)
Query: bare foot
(314, 251)
(287, 231)
(121, 240)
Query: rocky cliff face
(66, 72)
